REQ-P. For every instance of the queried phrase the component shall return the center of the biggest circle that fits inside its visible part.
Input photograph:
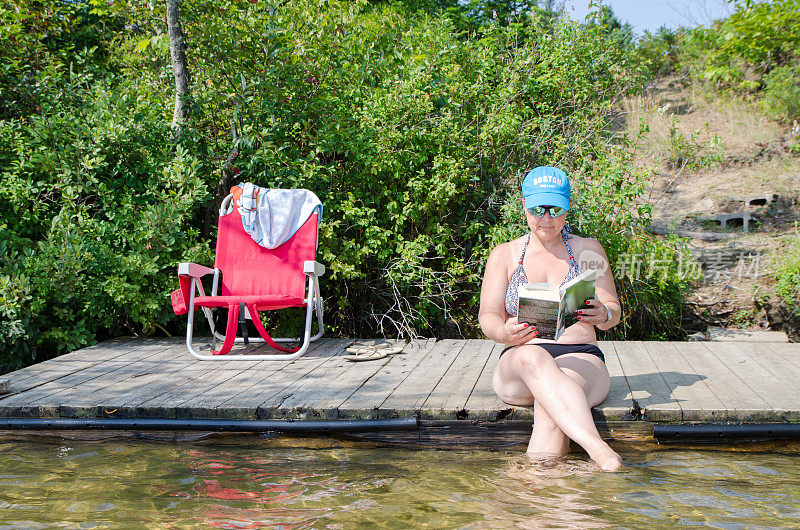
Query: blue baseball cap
(546, 186)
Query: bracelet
(608, 314)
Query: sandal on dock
(372, 352)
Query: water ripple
(155, 484)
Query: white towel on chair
(272, 216)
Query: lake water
(242, 482)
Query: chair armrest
(314, 268)
(194, 270)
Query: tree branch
(180, 70)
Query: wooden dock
(445, 383)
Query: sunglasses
(554, 211)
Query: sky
(652, 14)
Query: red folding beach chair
(250, 278)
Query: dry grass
(740, 124)
(753, 156)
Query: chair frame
(313, 301)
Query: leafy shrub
(782, 93)
(763, 34)
(705, 59)
(652, 274)
(97, 210)
(788, 275)
(692, 154)
(412, 133)
(737, 52)
(408, 132)
(660, 50)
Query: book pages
(544, 314)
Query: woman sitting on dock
(564, 378)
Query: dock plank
(483, 403)
(773, 384)
(415, 388)
(273, 385)
(32, 378)
(186, 383)
(334, 388)
(689, 389)
(45, 374)
(132, 365)
(107, 350)
(128, 400)
(448, 399)
(789, 354)
(618, 404)
(379, 386)
(224, 376)
(313, 378)
(739, 400)
(93, 375)
(648, 387)
(298, 401)
(133, 382)
(252, 388)
(445, 383)
(149, 398)
(180, 374)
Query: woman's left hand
(593, 312)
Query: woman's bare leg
(547, 440)
(529, 371)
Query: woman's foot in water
(544, 458)
(607, 459)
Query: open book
(549, 309)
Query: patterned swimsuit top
(519, 277)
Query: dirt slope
(705, 153)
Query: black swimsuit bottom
(556, 350)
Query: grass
(740, 124)
(787, 272)
(743, 318)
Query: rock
(704, 205)
(4, 383)
(780, 316)
(699, 336)
(718, 334)
(705, 236)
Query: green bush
(705, 59)
(660, 50)
(97, 209)
(652, 274)
(782, 93)
(691, 154)
(412, 132)
(408, 132)
(737, 52)
(788, 275)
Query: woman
(562, 379)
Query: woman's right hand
(515, 333)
